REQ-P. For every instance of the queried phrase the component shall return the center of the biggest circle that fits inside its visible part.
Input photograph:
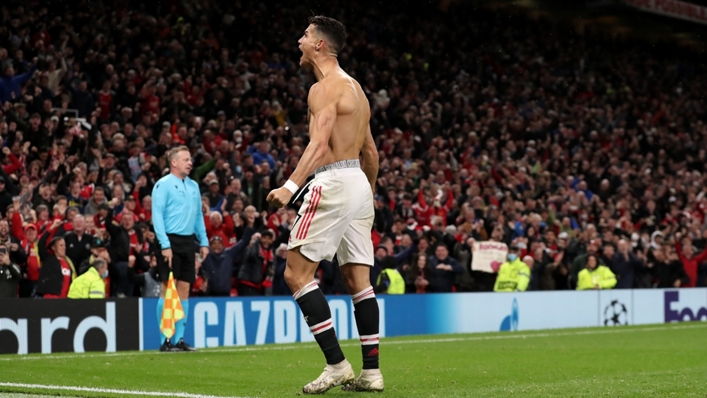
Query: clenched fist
(279, 197)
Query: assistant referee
(178, 220)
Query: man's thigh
(356, 246)
(183, 267)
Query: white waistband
(341, 164)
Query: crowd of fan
(569, 150)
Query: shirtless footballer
(336, 217)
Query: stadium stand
(490, 128)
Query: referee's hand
(167, 254)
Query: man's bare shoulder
(324, 92)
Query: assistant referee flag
(173, 310)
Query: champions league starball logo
(510, 323)
(615, 314)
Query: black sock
(317, 314)
(367, 320)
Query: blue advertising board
(233, 321)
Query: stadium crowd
(571, 150)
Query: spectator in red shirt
(689, 260)
(217, 225)
(10, 163)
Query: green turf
(660, 361)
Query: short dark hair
(333, 30)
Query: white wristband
(291, 186)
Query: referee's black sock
(317, 314)
(368, 321)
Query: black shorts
(183, 259)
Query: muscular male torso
(353, 113)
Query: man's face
(60, 248)
(608, 251)
(182, 163)
(99, 196)
(78, 222)
(441, 252)
(308, 44)
(127, 220)
(110, 162)
(623, 246)
(687, 250)
(31, 234)
(266, 241)
(265, 168)
(538, 254)
(216, 246)
(102, 269)
(380, 253)
(4, 228)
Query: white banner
(488, 256)
(672, 8)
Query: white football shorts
(336, 217)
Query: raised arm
(17, 229)
(700, 258)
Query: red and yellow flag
(173, 310)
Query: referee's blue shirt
(176, 209)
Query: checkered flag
(173, 310)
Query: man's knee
(290, 275)
(183, 290)
(299, 270)
(295, 277)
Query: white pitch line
(280, 347)
(109, 391)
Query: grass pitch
(637, 361)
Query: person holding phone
(10, 274)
